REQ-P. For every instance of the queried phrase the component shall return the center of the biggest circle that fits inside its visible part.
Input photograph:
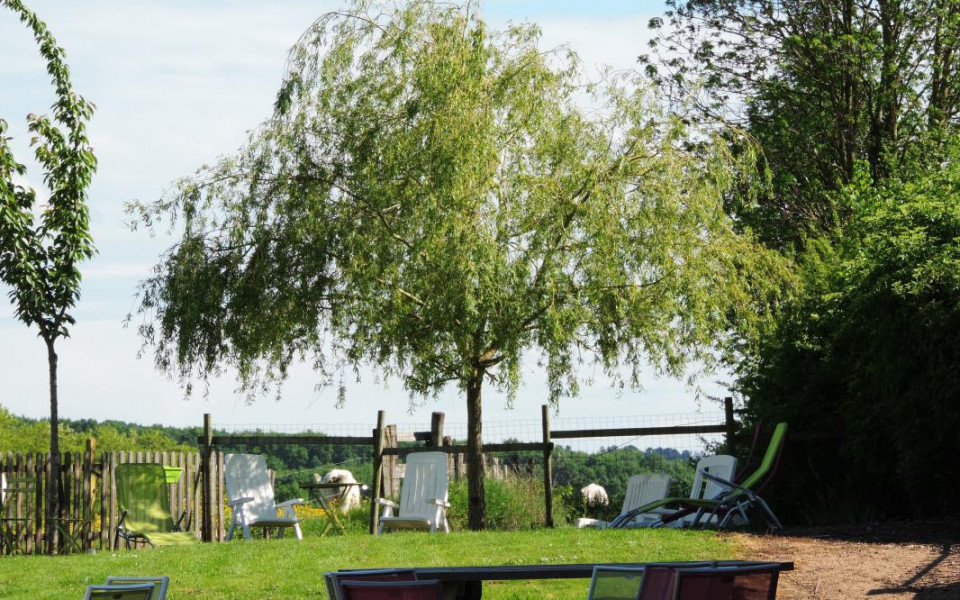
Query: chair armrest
(723, 481)
(239, 501)
(385, 502)
(293, 502)
(439, 502)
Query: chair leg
(233, 525)
(768, 513)
(297, 532)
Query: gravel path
(892, 561)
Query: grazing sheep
(595, 495)
(351, 498)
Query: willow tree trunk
(477, 506)
(52, 508)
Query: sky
(177, 84)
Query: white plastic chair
(251, 499)
(423, 496)
(720, 465)
(641, 489)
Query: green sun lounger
(734, 502)
(144, 503)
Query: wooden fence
(88, 495)
(88, 498)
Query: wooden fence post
(377, 470)
(390, 482)
(547, 466)
(436, 430)
(206, 531)
(731, 424)
(89, 485)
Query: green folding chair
(160, 583)
(144, 503)
(735, 500)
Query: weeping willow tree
(439, 201)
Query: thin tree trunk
(477, 508)
(53, 484)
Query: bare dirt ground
(895, 561)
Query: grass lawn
(263, 569)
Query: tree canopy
(441, 201)
(821, 86)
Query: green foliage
(612, 467)
(820, 86)
(39, 257)
(868, 354)
(18, 434)
(513, 502)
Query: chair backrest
(721, 465)
(160, 582)
(770, 458)
(246, 476)
(644, 489)
(142, 492)
(334, 578)
(754, 582)
(658, 583)
(391, 590)
(615, 583)
(140, 591)
(425, 479)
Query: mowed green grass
(286, 568)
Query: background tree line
(294, 464)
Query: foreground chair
(753, 582)
(423, 495)
(160, 584)
(641, 490)
(140, 591)
(732, 503)
(615, 583)
(334, 578)
(251, 499)
(391, 590)
(144, 503)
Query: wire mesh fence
(599, 450)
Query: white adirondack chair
(423, 496)
(720, 465)
(641, 489)
(250, 496)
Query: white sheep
(351, 497)
(595, 495)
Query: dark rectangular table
(466, 583)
